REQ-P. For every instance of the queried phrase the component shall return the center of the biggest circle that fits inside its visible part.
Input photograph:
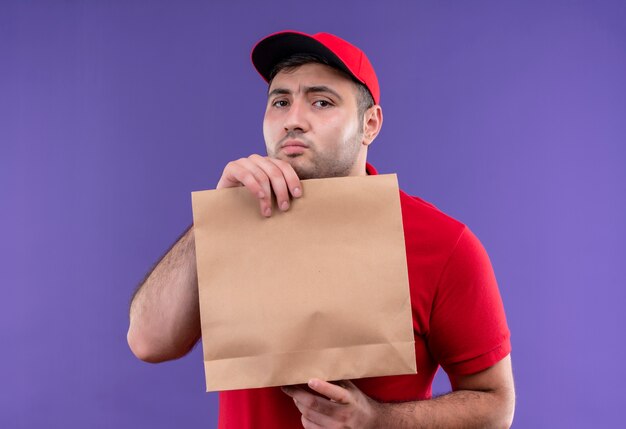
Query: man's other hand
(341, 406)
(263, 176)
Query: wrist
(376, 412)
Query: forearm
(164, 313)
(459, 409)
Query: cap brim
(276, 47)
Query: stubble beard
(322, 165)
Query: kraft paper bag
(318, 291)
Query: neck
(358, 169)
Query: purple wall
(510, 117)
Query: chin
(304, 171)
(301, 166)
(304, 175)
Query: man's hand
(485, 399)
(262, 176)
(343, 405)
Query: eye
(322, 103)
(280, 103)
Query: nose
(295, 118)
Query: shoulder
(424, 222)
(417, 209)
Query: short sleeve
(468, 331)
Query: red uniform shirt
(458, 320)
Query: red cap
(339, 53)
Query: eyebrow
(307, 90)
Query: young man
(322, 113)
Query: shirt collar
(369, 169)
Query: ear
(372, 123)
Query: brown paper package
(318, 291)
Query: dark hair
(364, 99)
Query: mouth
(293, 147)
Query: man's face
(311, 122)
